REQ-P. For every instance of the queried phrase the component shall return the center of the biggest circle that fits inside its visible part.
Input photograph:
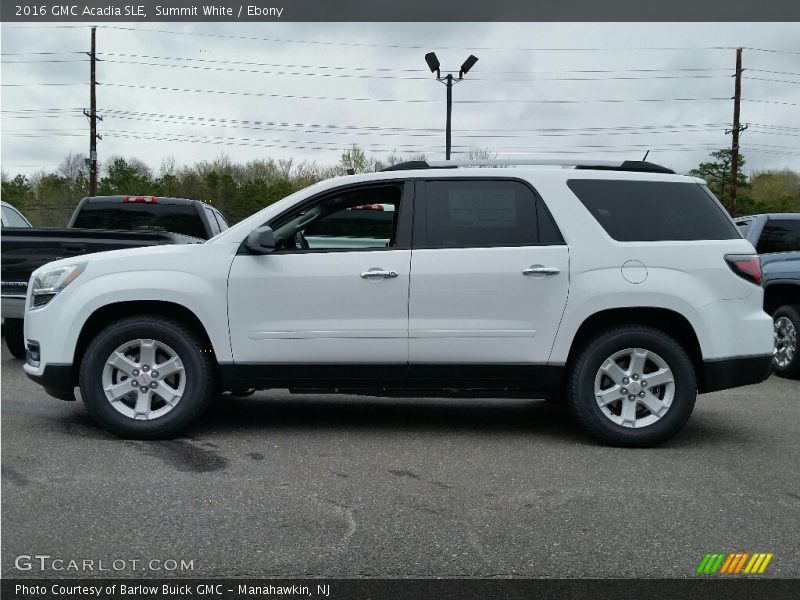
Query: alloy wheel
(785, 342)
(634, 387)
(144, 379)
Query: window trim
(404, 218)
(220, 219)
(419, 241)
(213, 225)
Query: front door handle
(378, 274)
(538, 270)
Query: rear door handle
(536, 270)
(378, 274)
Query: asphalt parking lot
(303, 486)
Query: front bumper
(725, 373)
(58, 380)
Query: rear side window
(780, 235)
(476, 213)
(177, 218)
(653, 211)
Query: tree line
(240, 189)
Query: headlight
(46, 285)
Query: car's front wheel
(146, 377)
(785, 359)
(632, 386)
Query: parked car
(621, 286)
(13, 292)
(11, 217)
(98, 223)
(776, 238)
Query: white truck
(617, 286)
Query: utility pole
(449, 84)
(92, 115)
(737, 128)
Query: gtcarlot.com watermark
(46, 563)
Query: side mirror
(261, 240)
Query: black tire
(581, 380)
(792, 369)
(13, 331)
(198, 370)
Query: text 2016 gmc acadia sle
(620, 287)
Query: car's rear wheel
(632, 386)
(146, 377)
(785, 359)
(13, 331)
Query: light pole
(448, 80)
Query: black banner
(406, 10)
(399, 589)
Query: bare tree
(73, 166)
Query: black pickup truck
(776, 238)
(99, 223)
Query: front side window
(654, 211)
(780, 235)
(475, 213)
(360, 219)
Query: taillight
(746, 266)
(144, 199)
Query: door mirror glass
(261, 240)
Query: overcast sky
(517, 63)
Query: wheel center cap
(144, 379)
(635, 387)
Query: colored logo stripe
(733, 563)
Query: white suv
(620, 287)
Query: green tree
(772, 191)
(717, 174)
(127, 177)
(18, 191)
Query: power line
(404, 100)
(397, 69)
(773, 51)
(39, 84)
(416, 47)
(403, 77)
(773, 72)
(769, 102)
(771, 80)
(41, 53)
(197, 119)
(41, 62)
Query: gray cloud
(680, 149)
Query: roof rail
(583, 163)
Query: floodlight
(433, 62)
